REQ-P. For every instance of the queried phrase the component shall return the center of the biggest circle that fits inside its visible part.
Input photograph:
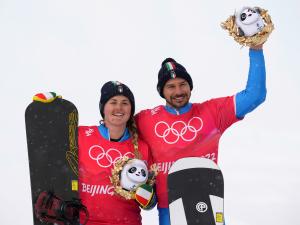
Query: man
(183, 129)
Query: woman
(99, 148)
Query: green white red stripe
(45, 97)
(171, 67)
(144, 194)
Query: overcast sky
(73, 47)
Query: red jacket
(96, 159)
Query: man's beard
(176, 105)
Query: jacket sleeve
(255, 92)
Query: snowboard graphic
(51, 129)
(196, 192)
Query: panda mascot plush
(249, 21)
(134, 174)
(132, 179)
(249, 26)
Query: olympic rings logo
(106, 158)
(179, 129)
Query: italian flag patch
(171, 67)
(144, 194)
(45, 97)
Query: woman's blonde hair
(134, 133)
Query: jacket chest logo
(106, 158)
(172, 133)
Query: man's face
(177, 92)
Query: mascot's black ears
(257, 9)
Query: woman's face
(117, 111)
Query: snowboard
(196, 192)
(51, 130)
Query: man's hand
(257, 47)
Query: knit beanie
(171, 69)
(114, 88)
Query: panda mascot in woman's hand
(134, 174)
(132, 180)
(249, 21)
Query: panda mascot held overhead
(132, 180)
(249, 26)
(249, 21)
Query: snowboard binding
(49, 208)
